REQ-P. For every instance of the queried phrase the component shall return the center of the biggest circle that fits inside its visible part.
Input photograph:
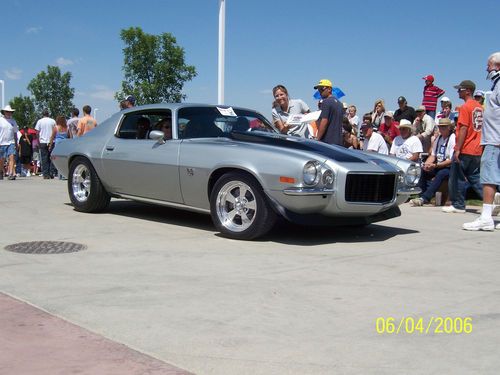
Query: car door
(142, 168)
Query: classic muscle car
(231, 163)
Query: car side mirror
(157, 135)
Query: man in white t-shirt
(8, 141)
(406, 146)
(373, 141)
(436, 168)
(46, 130)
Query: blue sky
(369, 49)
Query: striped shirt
(431, 95)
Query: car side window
(138, 125)
(211, 122)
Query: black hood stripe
(334, 152)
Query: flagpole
(222, 26)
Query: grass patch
(474, 202)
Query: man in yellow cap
(330, 119)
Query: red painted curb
(35, 342)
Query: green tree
(25, 114)
(154, 67)
(52, 90)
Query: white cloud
(102, 92)
(33, 30)
(13, 73)
(61, 61)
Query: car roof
(176, 106)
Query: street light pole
(222, 27)
(3, 93)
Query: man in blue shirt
(330, 119)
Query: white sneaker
(452, 210)
(480, 224)
(417, 202)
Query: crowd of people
(454, 146)
(458, 148)
(25, 152)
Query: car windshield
(211, 122)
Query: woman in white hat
(8, 142)
(436, 168)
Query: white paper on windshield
(227, 111)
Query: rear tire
(85, 188)
(239, 207)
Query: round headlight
(413, 175)
(310, 173)
(328, 178)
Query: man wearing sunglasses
(466, 158)
(330, 119)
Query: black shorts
(25, 159)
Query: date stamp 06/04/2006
(423, 326)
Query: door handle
(110, 148)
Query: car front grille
(370, 188)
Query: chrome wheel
(236, 206)
(81, 182)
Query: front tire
(239, 207)
(85, 188)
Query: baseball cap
(130, 99)
(467, 84)
(405, 124)
(401, 99)
(479, 93)
(389, 114)
(445, 99)
(324, 83)
(420, 108)
(429, 77)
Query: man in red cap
(431, 95)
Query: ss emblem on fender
(190, 171)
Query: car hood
(334, 152)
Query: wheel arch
(79, 155)
(219, 172)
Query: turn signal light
(287, 180)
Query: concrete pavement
(300, 301)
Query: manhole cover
(45, 247)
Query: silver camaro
(231, 163)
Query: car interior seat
(242, 124)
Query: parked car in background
(232, 164)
